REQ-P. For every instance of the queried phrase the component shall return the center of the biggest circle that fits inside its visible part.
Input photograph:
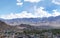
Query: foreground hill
(5, 27)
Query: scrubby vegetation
(54, 31)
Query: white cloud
(56, 2)
(55, 13)
(23, 14)
(38, 12)
(41, 12)
(32, 1)
(19, 3)
(18, 0)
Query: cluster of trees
(54, 31)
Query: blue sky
(29, 8)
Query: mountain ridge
(50, 21)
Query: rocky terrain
(30, 23)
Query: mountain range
(48, 22)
